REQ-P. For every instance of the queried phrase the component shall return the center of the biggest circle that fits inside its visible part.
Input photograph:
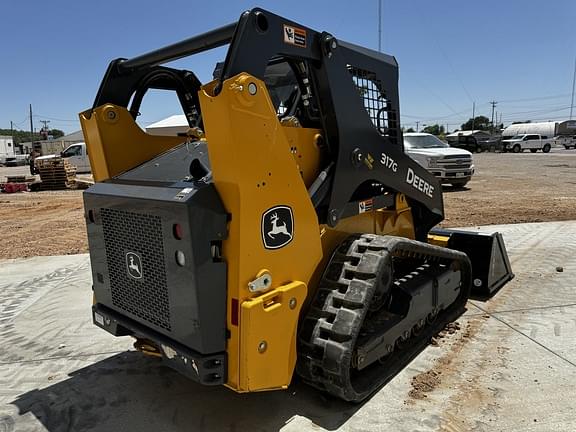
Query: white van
(76, 155)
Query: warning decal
(365, 206)
(295, 36)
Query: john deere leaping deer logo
(277, 227)
(134, 265)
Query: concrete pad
(553, 328)
(535, 250)
(509, 368)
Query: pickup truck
(449, 164)
(532, 142)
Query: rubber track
(331, 327)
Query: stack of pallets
(19, 179)
(56, 173)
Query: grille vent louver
(146, 298)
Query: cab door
(85, 163)
(74, 156)
(533, 141)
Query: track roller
(378, 303)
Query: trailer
(6, 148)
(563, 133)
(545, 129)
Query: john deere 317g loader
(286, 231)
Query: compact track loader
(286, 231)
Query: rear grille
(141, 235)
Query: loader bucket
(490, 265)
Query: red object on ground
(15, 187)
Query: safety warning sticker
(295, 36)
(365, 206)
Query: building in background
(53, 146)
(172, 125)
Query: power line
(535, 98)
(539, 109)
(535, 112)
(425, 118)
(21, 122)
(507, 116)
(56, 119)
(548, 118)
(455, 73)
(425, 22)
(442, 101)
(533, 106)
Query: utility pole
(379, 25)
(45, 128)
(573, 82)
(417, 124)
(493, 103)
(31, 125)
(12, 130)
(473, 114)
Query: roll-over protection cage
(354, 89)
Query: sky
(451, 53)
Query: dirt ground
(515, 188)
(42, 223)
(507, 188)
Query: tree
(56, 133)
(409, 130)
(21, 136)
(434, 129)
(477, 123)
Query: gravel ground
(513, 188)
(507, 188)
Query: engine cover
(154, 251)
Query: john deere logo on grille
(277, 227)
(134, 265)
